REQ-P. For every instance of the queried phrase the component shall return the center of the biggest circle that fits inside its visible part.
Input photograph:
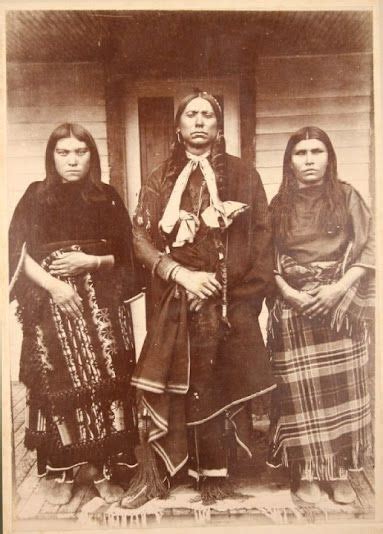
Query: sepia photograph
(190, 315)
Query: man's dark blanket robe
(192, 367)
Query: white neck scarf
(189, 222)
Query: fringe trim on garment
(116, 517)
(112, 516)
(330, 467)
(338, 321)
(70, 454)
(106, 390)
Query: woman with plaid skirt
(318, 323)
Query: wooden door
(155, 117)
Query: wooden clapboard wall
(333, 92)
(40, 97)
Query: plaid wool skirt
(320, 421)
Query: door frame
(229, 87)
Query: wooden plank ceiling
(146, 38)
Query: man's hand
(195, 303)
(200, 283)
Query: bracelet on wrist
(98, 262)
(174, 271)
(156, 263)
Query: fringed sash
(354, 310)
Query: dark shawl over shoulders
(35, 225)
(250, 256)
(250, 262)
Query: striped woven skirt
(80, 405)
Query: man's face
(198, 125)
(72, 159)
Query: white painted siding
(333, 92)
(40, 97)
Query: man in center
(201, 229)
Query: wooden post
(114, 106)
(115, 131)
(247, 103)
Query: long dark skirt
(80, 407)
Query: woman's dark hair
(92, 188)
(332, 215)
(177, 158)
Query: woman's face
(309, 159)
(198, 125)
(72, 159)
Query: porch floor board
(30, 504)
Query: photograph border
(167, 5)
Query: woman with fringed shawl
(201, 229)
(71, 258)
(318, 324)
